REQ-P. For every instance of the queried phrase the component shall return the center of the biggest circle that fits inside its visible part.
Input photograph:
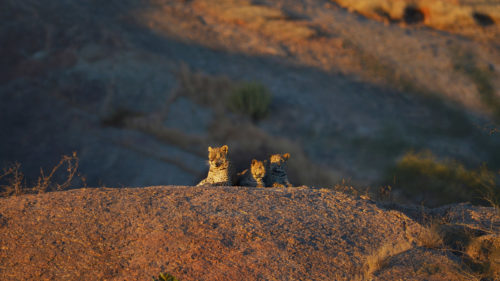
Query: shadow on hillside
(69, 72)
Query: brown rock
(206, 233)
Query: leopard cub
(255, 177)
(276, 171)
(218, 173)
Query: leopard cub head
(217, 157)
(258, 169)
(278, 161)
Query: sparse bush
(251, 99)
(221, 94)
(13, 182)
(45, 182)
(165, 277)
(423, 177)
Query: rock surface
(212, 233)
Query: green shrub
(424, 178)
(165, 277)
(251, 99)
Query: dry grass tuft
(431, 236)
(165, 277)
(380, 257)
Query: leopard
(218, 173)
(254, 177)
(276, 175)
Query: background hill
(140, 88)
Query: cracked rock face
(211, 233)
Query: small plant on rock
(165, 277)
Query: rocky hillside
(237, 233)
(140, 88)
(472, 18)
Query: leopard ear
(224, 148)
(286, 156)
(210, 149)
(254, 161)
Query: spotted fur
(276, 171)
(218, 173)
(255, 177)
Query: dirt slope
(200, 233)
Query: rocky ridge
(221, 233)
